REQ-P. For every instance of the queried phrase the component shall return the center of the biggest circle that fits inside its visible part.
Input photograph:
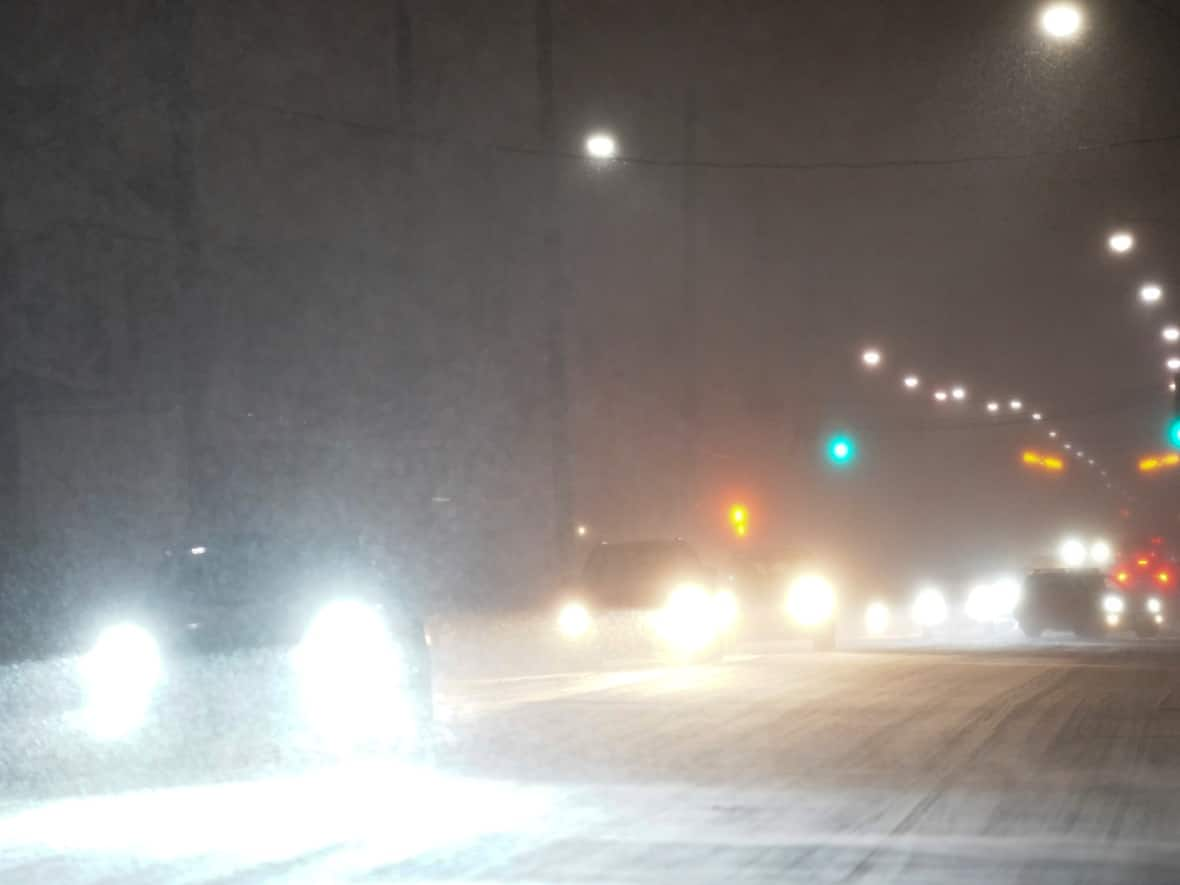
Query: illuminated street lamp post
(1150, 293)
(601, 146)
(1121, 242)
(1061, 21)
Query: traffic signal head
(1174, 432)
(841, 450)
(739, 520)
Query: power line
(734, 165)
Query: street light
(1150, 293)
(1171, 333)
(940, 395)
(871, 358)
(602, 146)
(1121, 242)
(1037, 416)
(1061, 21)
(993, 407)
(1174, 363)
(1052, 434)
(1015, 405)
(911, 382)
(959, 392)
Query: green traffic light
(1174, 433)
(841, 450)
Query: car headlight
(725, 604)
(876, 618)
(120, 673)
(993, 602)
(688, 621)
(929, 609)
(1154, 605)
(351, 675)
(574, 620)
(1113, 605)
(811, 600)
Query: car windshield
(643, 573)
(589, 441)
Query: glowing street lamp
(1171, 333)
(993, 407)
(871, 358)
(940, 396)
(1121, 242)
(1015, 405)
(911, 382)
(959, 393)
(601, 146)
(1150, 293)
(1173, 364)
(1061, 21)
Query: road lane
(1057, 762)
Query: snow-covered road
(1048, 763)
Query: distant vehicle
(307, 642)
(1085, 602)
(643, 594)
(1147, 571)
(776, 602)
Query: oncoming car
(252, 641)
(1084, 602)
(647, 595)
(778, 602)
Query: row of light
(873, 359)
(1123, 243)
(990, 602)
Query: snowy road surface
(1040, 764)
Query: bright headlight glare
(929, 609)
(121, 673)
(1113, 605)
(876, 618)
(574, 620)
(1101, 553)
(350, 671)
(1072, 553)
(688, 622)
(1154, 605)
(993, 602)
(725, 604)
(811, 600)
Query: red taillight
(1164, 578)
(1122, 577)
(1143, 562)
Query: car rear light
(1164, 578)
(1122, 577)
